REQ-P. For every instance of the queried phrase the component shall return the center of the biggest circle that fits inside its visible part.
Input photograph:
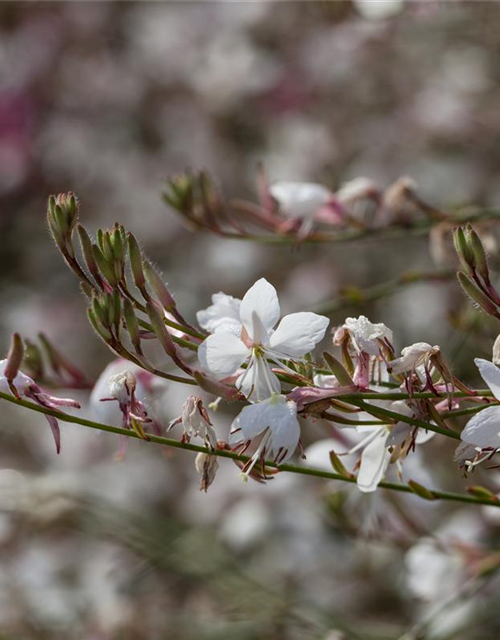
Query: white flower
(222, 315)
(276, 420)
(483, 429)
(412, 357)
(300, 199)
(365, 335)
(195, 421)
(207, 466)
(378, 446)
(223, 353)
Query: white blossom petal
(222, 315)
(490, 373)
(258, 382)
(260, 301)
(277, 414)
(300, 199)
(374, 462)
(221, 354)
(298, 333)
(365, 334)
(21, 381)
(483, 429)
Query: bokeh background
(107, 100)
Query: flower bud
(474, 292)
(180, 192)
(14, 360)
(464, 251)
(136, 261)
(132, 325)
(161, 331)
(88, 254)
(104, 265)
(158, 286)
(478, 252)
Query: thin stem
(349, 235)
(351, 296)
(290, 468)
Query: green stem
(290, 468)
(355, 297)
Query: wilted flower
(131, 388)
(275, 419)
(223, 353)
(207, 466)
(412, 357)
(366, 336)
(195, 422)
(27, 387)
(222, 315)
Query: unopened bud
(158, 286)
(14, 358)
(421, 491)
(136, 261)
(132, 325)
(464, 251)
(161, 330)
(207, 466)
(479, 253)
(180, 192)
(105, 268)
(477, 294)
(88, 254)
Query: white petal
(221, 354)
(21, 381)
(298, 333)
(223, 314)
(374, 462)
(258, 382)
(277, 414)
(490, 373)
(483, 429)
(260, 301)
(300, 199)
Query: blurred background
(107, 100)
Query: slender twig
(290, 468)
(353, 297)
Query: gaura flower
(195, 422)
(275, 419)
(131, 388)
(412, 357)
(223, 353)
(222, 315)
(300, 199)
(483, 429)
(207, 466)
(385, 443)
(366, 336)
(24, 385)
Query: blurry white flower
(496, 351)
(275, 419)
(195, 422)
(483, 429)
(384, 443)
(414, 356)
(222, 315)
(223, 353)
(379, 9)
(300, 199)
